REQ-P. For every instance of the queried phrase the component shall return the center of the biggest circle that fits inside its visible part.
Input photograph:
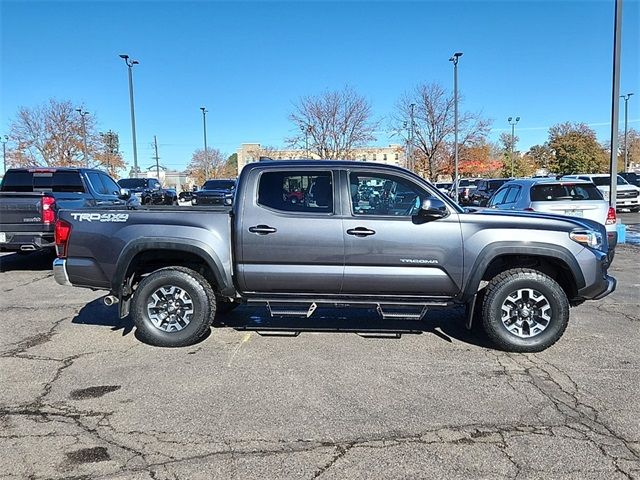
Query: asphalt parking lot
(81, 397)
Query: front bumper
(610, 287)
(60, 272)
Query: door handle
(361, 232)
(262, 229)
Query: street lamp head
(457, 54)
(124, 56)
(517, 119)
(134, 62)
(204, 110)
(509, 119)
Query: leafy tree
(203, 167)
(332, 124)
(478, 161)
(576, 149)
(541, 156)
(51, 135)
(434, 127)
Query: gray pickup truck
(403, 251)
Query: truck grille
(633, 194)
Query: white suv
(627, 195)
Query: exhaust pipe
(110, 300)
(27, 248)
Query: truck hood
(533, 220)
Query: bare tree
(433, 128)
(332, 124)
(52, 135)
(203, 167)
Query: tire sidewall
(559, 312)
(194, 289)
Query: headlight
(588, 238)
(228, 200)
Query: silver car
(576, 198)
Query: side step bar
(386, 311)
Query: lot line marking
(244, 340)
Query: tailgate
(20, 208)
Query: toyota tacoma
(173, 270)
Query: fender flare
(537, 249)
(196, 247)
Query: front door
(290, 238)
(388, 249)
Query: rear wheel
(173, 307)
(524, 310)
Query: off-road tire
(497, 291)
(204, 304)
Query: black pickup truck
(149, 191)
(30, 199)
(172, 269)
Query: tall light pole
(410, 146)
(456, 56)
(615, 104)
(206, 152)
(513, 137)
(130, 63)
(84, 135)
(4, 141)
(626, 121)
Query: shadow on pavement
(444, 324)
(27, 262)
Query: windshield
(219, 185)
(605, 181)
(564, 191)
(466, 182)
(132, 182)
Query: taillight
(48, 212)
(611, 216)
(62, 232)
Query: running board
(396, 312)
(291, 309)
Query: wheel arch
(554, 260)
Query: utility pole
(410, 146)
(206, 152)
(626, 127)
(4, 141)
(156, 158)
(456, 56)
(513, 138)
(84, 135)
(615, 104)
(130, 63)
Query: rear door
(286, 246)
(388, 250)
(106, 190)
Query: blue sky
(247, 62)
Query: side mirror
(432, 209)
(124, 194)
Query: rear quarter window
(563, 192)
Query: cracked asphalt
(81, 397)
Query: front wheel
(524, 310)
(173, 307)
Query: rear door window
(110, 186)
(512, 196)
(498, 199)
(96, 183)
(292, 191)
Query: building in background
(251, 152)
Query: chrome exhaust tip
(109, 300)
(27, 248)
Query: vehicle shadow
(447, 325)
(36, 261)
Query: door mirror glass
(124, 194)
(432, 209)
